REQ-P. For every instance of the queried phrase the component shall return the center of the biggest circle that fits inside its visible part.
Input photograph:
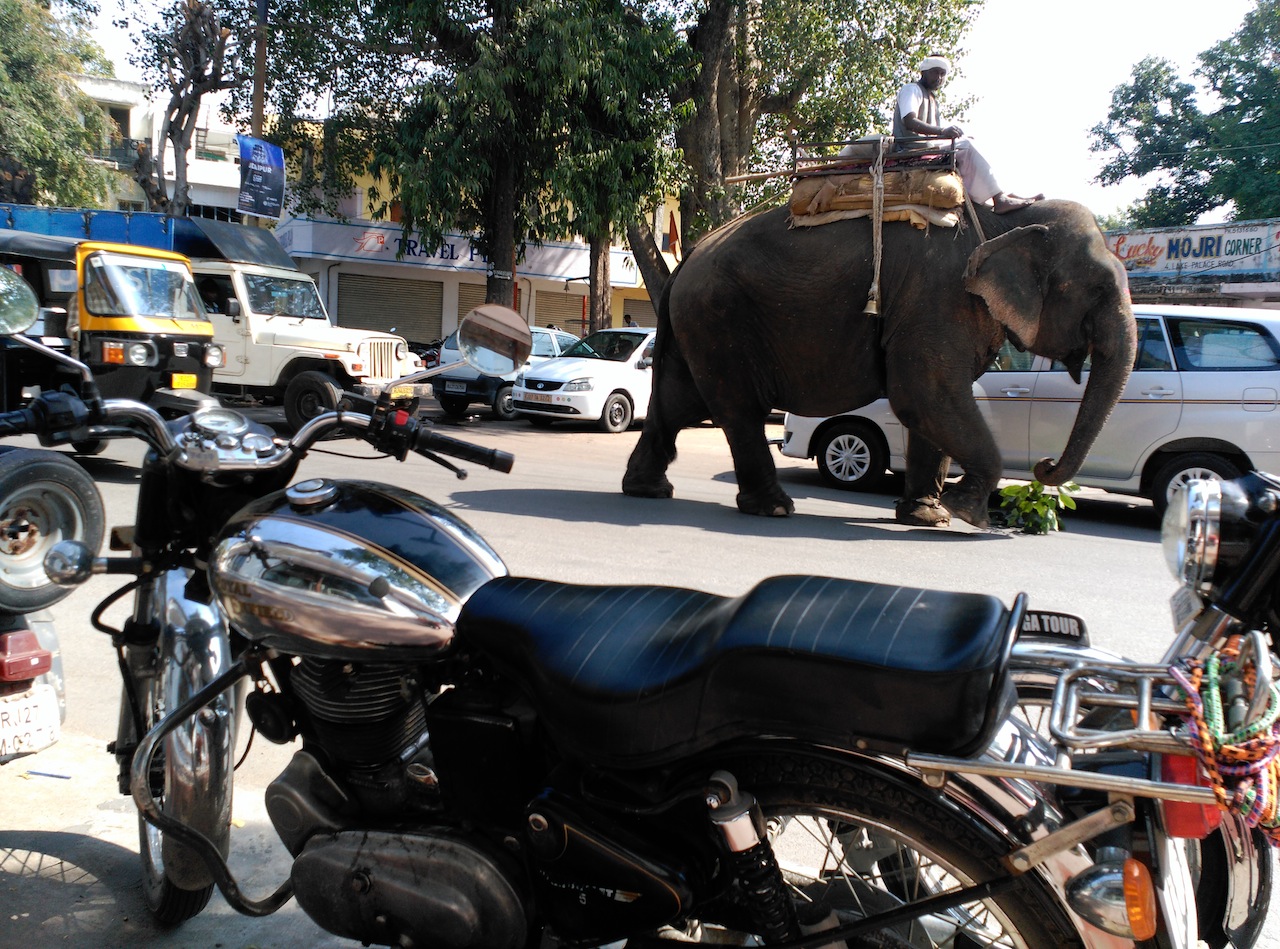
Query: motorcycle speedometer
(219, 421)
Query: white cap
(935, 62)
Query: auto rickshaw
(132, 314)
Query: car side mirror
(233, 310)
(645, 363)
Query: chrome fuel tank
(349, 570)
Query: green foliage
(1033, 508)
(1205, 159)
(827, 69)
(48, 127)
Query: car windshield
(284, 296)
(614, 346)
(120, 285)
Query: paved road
(68, 865)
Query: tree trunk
(500, 284)
(598, 310)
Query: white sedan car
(604, 377)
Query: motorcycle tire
(859, 839)
(45, 497)
(168, 903)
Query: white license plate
(538, 396)
(29, 722)
(455, 387)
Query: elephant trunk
(1114, 345)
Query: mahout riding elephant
(763, 316)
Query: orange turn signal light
(1139, 899)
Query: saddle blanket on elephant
(922, 196)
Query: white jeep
(282, 348)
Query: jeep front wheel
(308, 395)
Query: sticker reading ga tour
(1051, 625)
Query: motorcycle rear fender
(193, 649)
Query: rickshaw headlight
(121, 353)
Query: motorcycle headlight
(1191, 533)
(215, 357)
(578, 385)
(1223, 537)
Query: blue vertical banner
(261, 178)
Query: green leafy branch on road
(1033, 508)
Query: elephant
(762, 316)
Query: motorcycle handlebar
(19, 422)
(428, 440)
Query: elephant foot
(921, 512)
(767, 504)
(647, 488)
(967, 507)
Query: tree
(48, 127)
(771, 69)
(1205, 160)
(465, 113)
(770, 72)
(617, 123)
(190, 54)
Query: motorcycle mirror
(494, 339)
(18, 304)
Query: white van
(1203, 401)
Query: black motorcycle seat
(638, 675)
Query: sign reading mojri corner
(1206, 251)
(365, 242)
(261, 178)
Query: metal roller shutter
(565, 310)
(409, 308)
(641, 311)
(470, 296)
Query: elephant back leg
(758, 489)
(675, 404)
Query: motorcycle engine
(370, 723)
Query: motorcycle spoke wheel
(169, 904)
(859, 843)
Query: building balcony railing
(122, 154)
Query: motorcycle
(488, 760)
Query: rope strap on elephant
(877, 225)
(1240, 758)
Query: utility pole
(259, 68)
(259, 80)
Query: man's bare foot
(1004, 203)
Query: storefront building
(373, 276)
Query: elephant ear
(1008, 272)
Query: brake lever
(460, 473)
